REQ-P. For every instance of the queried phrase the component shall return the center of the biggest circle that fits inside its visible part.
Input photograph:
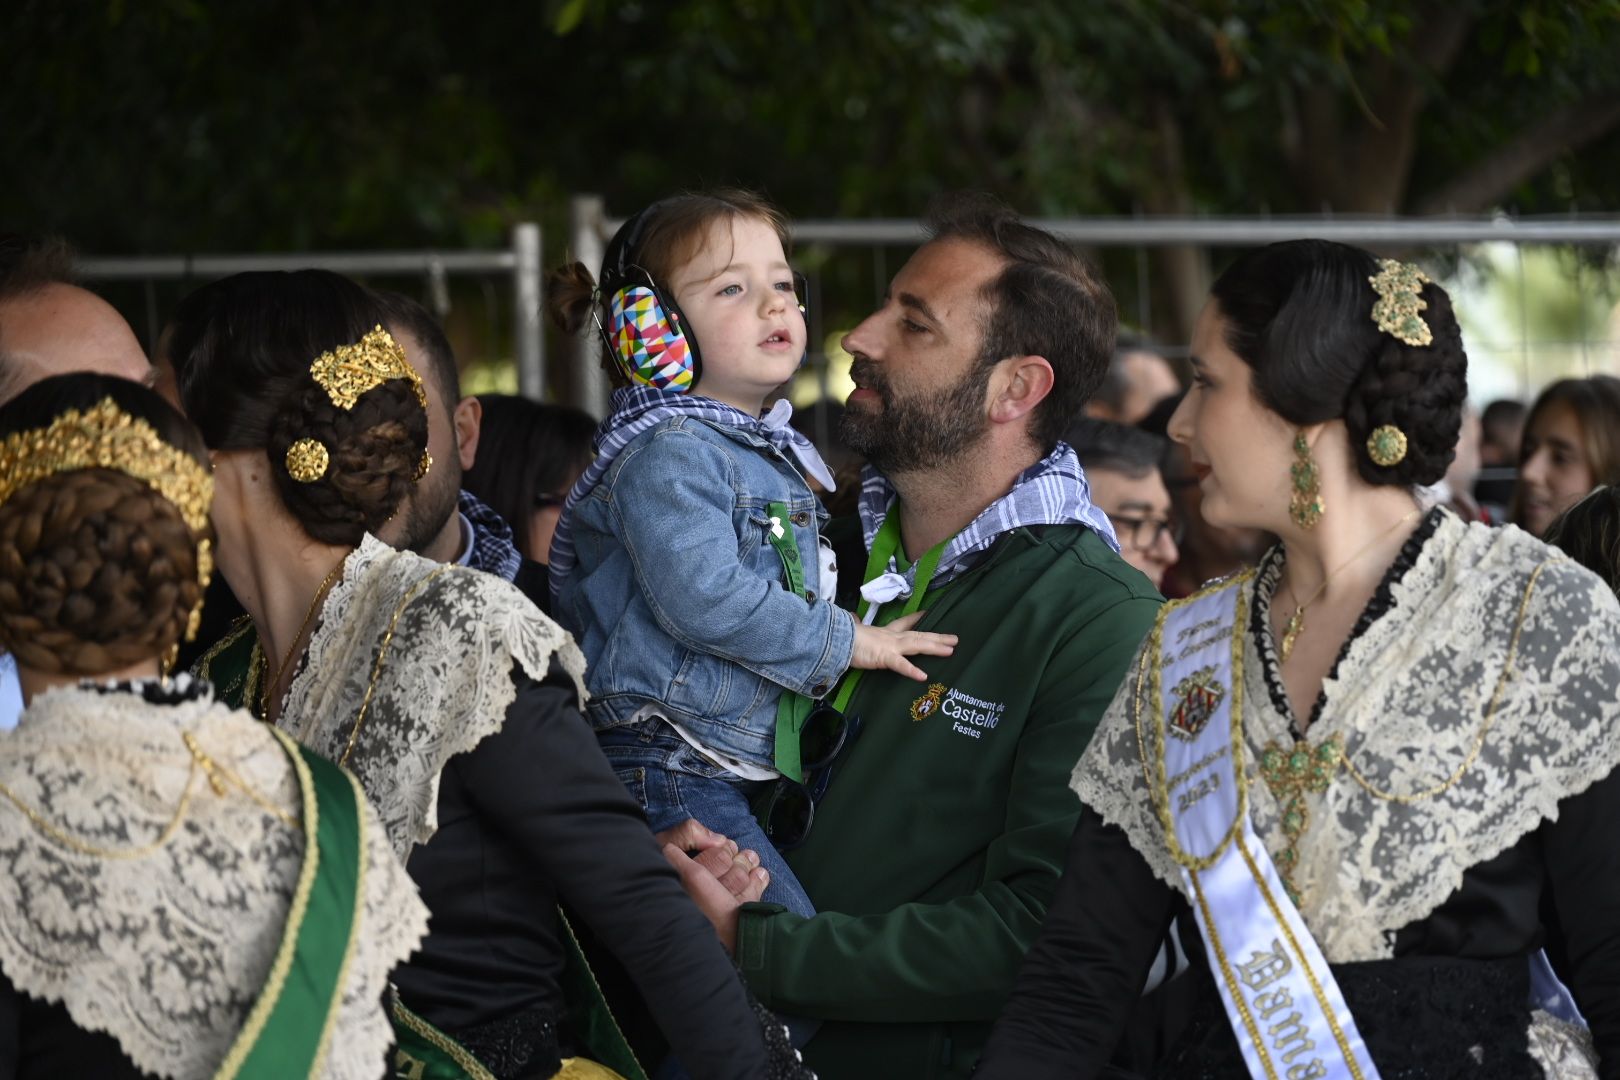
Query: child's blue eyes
(734, 290)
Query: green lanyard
(886, 546)
(792, 710)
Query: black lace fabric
(784, 1062)
(1269, 573)
(1423, 1018)
(521, 1046)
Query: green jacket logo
(928, 704)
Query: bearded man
(936, 844)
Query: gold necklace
(269, 685)
(1296, 622)
(1293, 773)
(376, 667)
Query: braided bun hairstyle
(97, 570)
(1300, 315)
(242, 349)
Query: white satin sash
(1286, 1010)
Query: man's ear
(468, 416)
(1019, 385)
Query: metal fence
(1449, 240)
(520, 264)
(880, 243)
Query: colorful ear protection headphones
(646, 333)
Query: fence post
(585, 217)
(528, 342)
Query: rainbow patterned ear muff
(648, 342)
(645, 332)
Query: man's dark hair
(1048, 301)
(1102, 444)
(29, 263)
(405, 314)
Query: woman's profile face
(1553, 471)
(1240, 451)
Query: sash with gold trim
(1289, 1016)
(287, 1031)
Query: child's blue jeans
(673, 782)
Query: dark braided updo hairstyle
(1300, 315)
(97, 570)
(241, 350)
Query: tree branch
(1390, 137)
(1524, 155)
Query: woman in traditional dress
(1378, 768)
(449, 695)
(185, 892)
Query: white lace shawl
(167, 953)
(444, 685)
(1409, 698)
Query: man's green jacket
(937, 848)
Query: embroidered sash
(1286, 1010)
(287, 1031)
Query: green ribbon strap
(287, 1031)
(886, 546)
(792, 710)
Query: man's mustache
(865, 373)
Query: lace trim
(1562, 1049)
(168, 953)
(1269, 574)
(444, 687)
(1409, 700)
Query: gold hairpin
(348, 371)
(307, 460)
(1399, 287)
(107, 437)
(1386, 446)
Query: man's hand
(711, 894)
(718, 855)
(888, 646)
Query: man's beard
(429, 504)
(920, 431)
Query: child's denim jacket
(680, 600)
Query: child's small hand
(888, 646)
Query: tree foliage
(178, 125)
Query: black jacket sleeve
(1085, 972)
(1582, 852)
(544, 784)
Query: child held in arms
(688, 560)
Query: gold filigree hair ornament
(1399, 287)
(348, 371)
(345, 373)
(107, 437)
(307, 460)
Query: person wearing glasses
(1123, 467)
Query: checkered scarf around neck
(638, 408)
(1053, 491)
(493, 549)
